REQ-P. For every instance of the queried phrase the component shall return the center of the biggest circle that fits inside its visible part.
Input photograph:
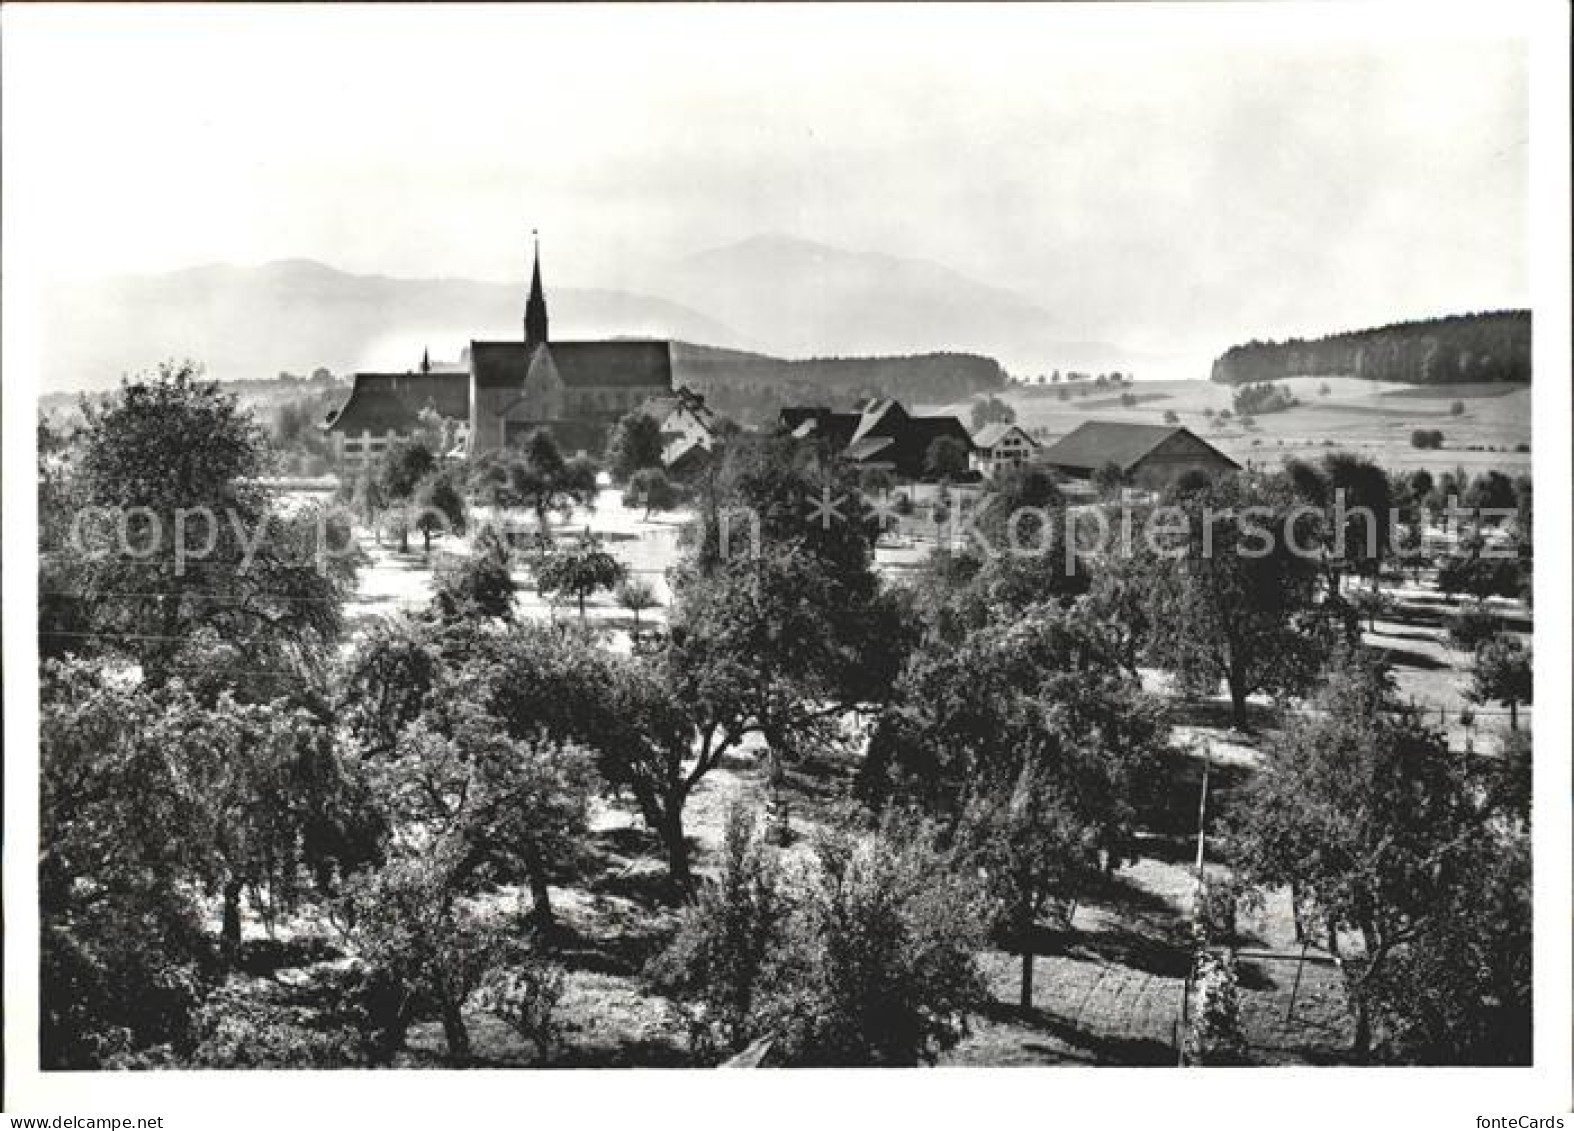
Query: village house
(688, 428)
(999, 446)
(883, 435)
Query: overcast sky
(1154, 167)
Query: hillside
(297, 315)
(1461, 348)
(752, 387)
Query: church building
(576, 390)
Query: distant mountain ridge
(296, 315)
(1454, 349)
(801, 299)
(781, 296)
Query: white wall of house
(1013, 449)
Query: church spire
(536, 305)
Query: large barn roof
(1094, 443)
(382, 401)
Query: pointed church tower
(536, 305)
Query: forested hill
(752, 387)
(1493, 346)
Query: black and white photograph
(987, 547)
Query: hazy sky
(1138, 172)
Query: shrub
(1214, 912)
(1213, 1032)
(524, 994)
(264, 1024)
(1171, 416)
(407, 923)
(722, 959)
(479, 586)
(1426, 439)
(883, 955)
(1457, 408)
(1255, 400)
(1470, 627)
(867, 959)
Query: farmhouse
(577, 390)
(1145, 453)
(688, 427)
(1000, 446)
(883, 435)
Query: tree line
(1489, 346)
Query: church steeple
(536, 305)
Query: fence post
(1202, 807)
(1296, 988)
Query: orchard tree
(1020, 501)
(1034, 745)
(1032, 851)
(124, 958)
(1109, 478)
(516, 807)
(1378, 828)
(1365, 538)
(1231, 587)
(634, 445)
(786, 641)
(439, 507)
(400, 473)
(578, 572)
(1503, 673)
(411, 923)
(945, 459)
(480, 585)
(176, 544)
(534, 476)
(636, 595)
(650, 488)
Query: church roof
(618, 364)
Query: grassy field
(1369, 418)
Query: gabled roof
(991, 434)
(631, 364)
(869, 446)
(660, 408)
(880, 418)
(1094, 443)
(382, 401)
(835, 428)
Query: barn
(1151, 454)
